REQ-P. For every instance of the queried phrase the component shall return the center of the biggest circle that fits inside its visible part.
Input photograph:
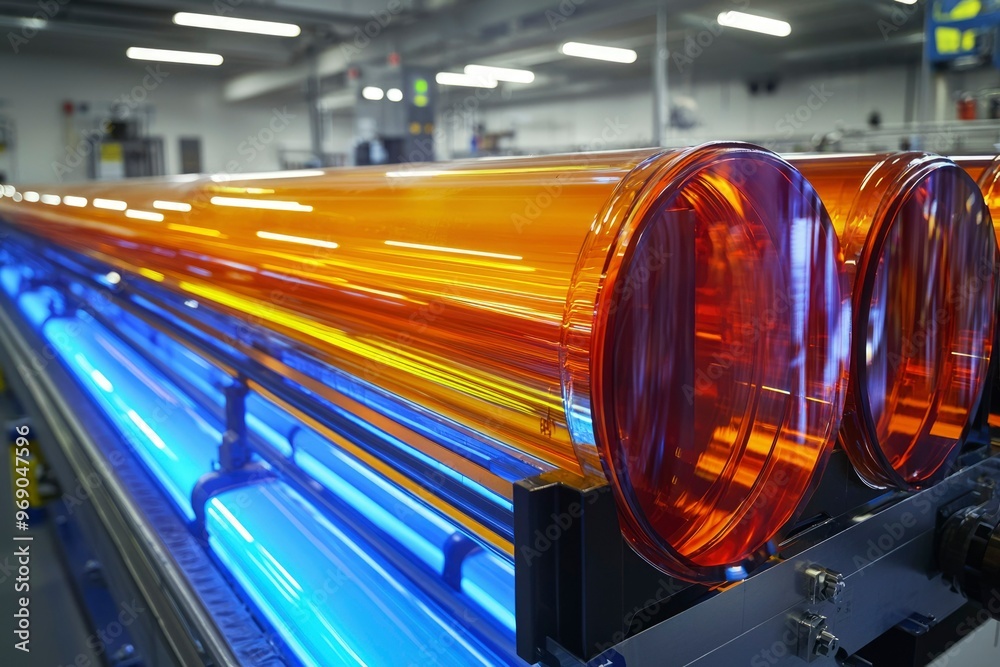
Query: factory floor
(59, 633)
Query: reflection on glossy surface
(333, 601)
(462, 288)
(922, 255)
(727, 301)
(171, 436)
(974, 165)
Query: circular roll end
(719, 356)
(924, 320)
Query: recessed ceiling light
(168, 56)
(611, 54)
(754, 23)
(394, 95)
(456, 79)
(501, 73)
(214, 22)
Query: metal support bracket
(234, 452)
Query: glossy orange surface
(707, 312)
(922, 257)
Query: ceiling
(447, 34)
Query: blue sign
(960, 28)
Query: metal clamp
(815, 641)
(824, 585)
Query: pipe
(706, 314)
(168, 432)
(332, 600)
(923, 267)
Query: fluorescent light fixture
(171, 206)
(168, 56)
(33, 23)
(215, 22)
(372, 93)
(611, 54)
(51, 200)
(755, 23)
(394, 95)
(500, 73)
(456, 79)
(110, 204)
(270, 204)
(298, 239)
(78, 202)
(264, 175)
(151, 216)
(907, 2)
(31, 196)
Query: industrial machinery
(574, 410)
(394, 115)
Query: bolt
(826, 643)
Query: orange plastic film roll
(688, 310)
(987, 173)
(922, 257)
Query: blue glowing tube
(37, 305)
(10, 278)
(168, 432)
(331, 599)
(488, 581)
(418, 530)
(207, 379)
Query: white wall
(801, 106)
(187, 102)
